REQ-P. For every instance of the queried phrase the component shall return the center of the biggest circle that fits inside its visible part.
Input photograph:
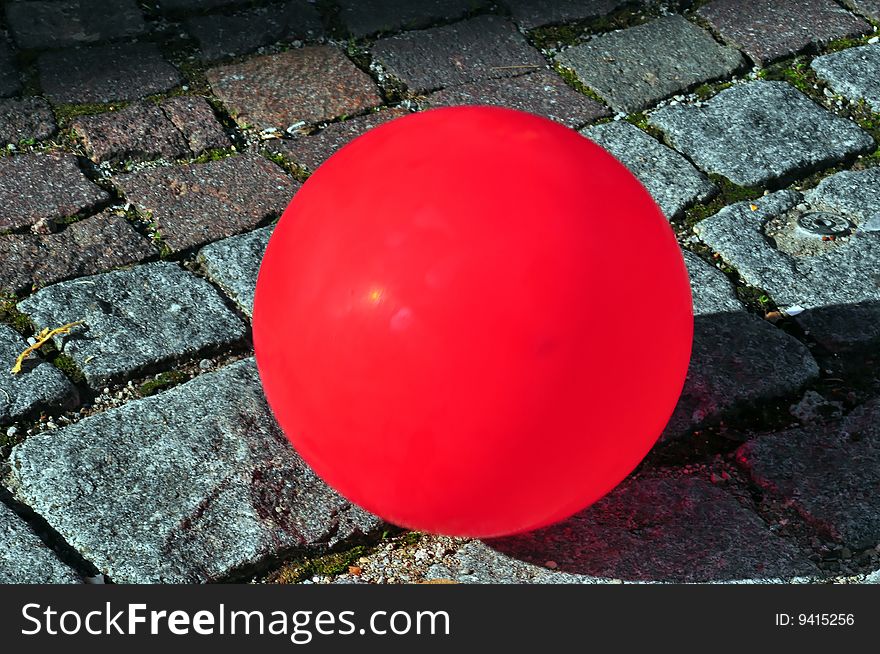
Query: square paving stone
(365, 18)
(853, 73)
(38, 188)
(829, 472)
(737, 359)
(670, 178)
(25, 119)
(834, 281)
(310, 84)
(184, 126)
(529, 14)
(675, 529)
(135, 319)
(198, 203)
(771, 29)
(83, 248)
(485, 47)
(234, 263)
(190, 485)
(761, 132)
(310, 151)
(543, 93)
(221, 36)
(41, 24)
(10, 81)
(105, 73)
(24, 558)
(635, 68)
(38, 386)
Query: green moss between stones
(640, 120)
(65, 113)
(729, 193)
(68, 366)
(327, 565)
(161, 382)
(10, 315)
(571, 78)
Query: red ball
(472, 321)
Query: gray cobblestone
(529, 14)
(670, 179)
(767, 30)
(233, 264)
(827, 471)
(23, 119)
(869, 8)
(543, 93)
(637, 67)
(186, 486)
(24, 559)
(198, 203)
(647, 529)
(105, 73)
(10, 79)
(854, 73)
(42, 24)
(220, 35)
(481, 48)
(365, 18)
(760, 132)
(135, 319)
(832, 280)
(39, 385)
(37, 189)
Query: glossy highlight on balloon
(472, 321)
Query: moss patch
(328, 565)
(161, 382)
(65, 113)
(11, 316)
(68, 366)
(640, 120)
(571, 78)
(554, 37)
(729, 193)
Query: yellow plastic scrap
(42, 337)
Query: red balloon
(472, 321)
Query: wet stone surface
(25, 119)
(311, 84)
(184, 126)
(366, 18)
(485, 47)
(760, 132)
(221, 36)
(42, 24)
(85, 247)
(828, 471)
(853, 73)
(832, 279)
(310, 151)
(233, 264)
(39, 385)
(737, 359)
(24, 558)
(637, 67)
(37, 189)
(198, 203)
(767, 31)
(134, 319)
(543, 93)
(673, 529)
(105, 73)
(670, 178)
(187, 486)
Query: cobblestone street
(149, 147)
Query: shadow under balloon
(675, 524)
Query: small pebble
(205, 364)
(552, 565)
(12, 431)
